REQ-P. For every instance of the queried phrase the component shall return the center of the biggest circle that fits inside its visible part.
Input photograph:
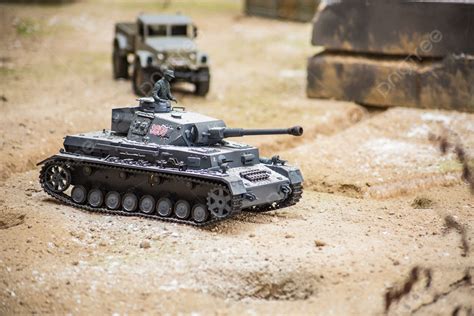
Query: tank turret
(161, 124)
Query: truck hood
(171, 43)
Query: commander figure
(162, 90)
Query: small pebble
(145, 244)
(319, 243)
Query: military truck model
(157, 43)
(169, 164)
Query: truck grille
(177, 61)
(255, 175)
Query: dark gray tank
(172, 165)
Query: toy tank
(169, 164)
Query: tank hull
(260, 187)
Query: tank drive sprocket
(219, 202)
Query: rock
(78, 234)
(319, 243)
(145, 244)
(422, 203)
(8, 220)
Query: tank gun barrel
(220, 133)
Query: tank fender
(145, 57)
(292, 173)
(236, 185)
(42, 162)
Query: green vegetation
(4, 72)
(27, 26)
(454, 166)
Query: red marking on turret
(158, 130)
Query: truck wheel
(202, 87)
(119, 64)
(142, 82)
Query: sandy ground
(379, 205)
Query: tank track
(236, 202)
(294, 197)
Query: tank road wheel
(79, 194)
(112, 200)
(57, 178)
(95, 198)
(119, 64)
(200, 213)
(164, 207)
(129, 202)
(147, 204)
(219, 202)
(182, 209)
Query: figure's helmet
(169, 74)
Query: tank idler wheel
(129, 202)
(112, 200)
(57, 178)
(95, 198)
(219, 202)
(147, 204)
(164, 207)
(79, 194)
(182, 209)
(200, 213)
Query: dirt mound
(266, 285)
(387, 155)
(9, 220)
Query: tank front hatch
(176, 128)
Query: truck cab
(159, 42)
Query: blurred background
(372, 83)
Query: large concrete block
(421, 28)
(390, 81)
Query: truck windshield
(157, 30)
(162, 30)
(179, 30)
